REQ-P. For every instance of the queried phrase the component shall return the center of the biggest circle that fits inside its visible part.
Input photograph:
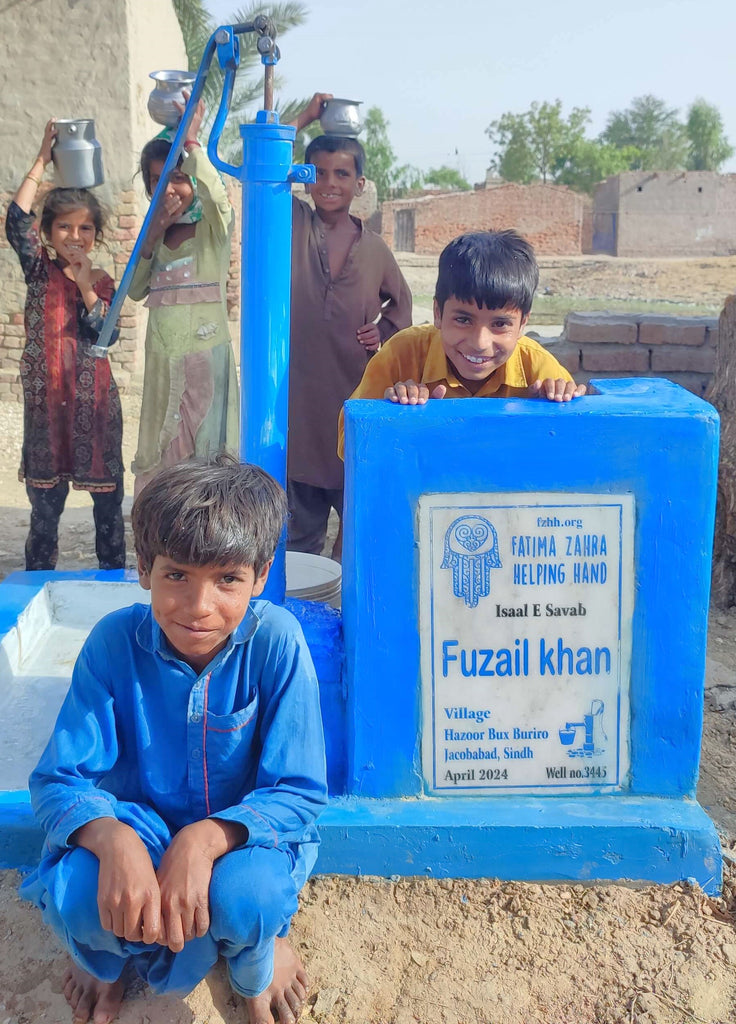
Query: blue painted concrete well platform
(602, 784)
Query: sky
(441, 72)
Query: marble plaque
(525, 615)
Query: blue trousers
(253, 895)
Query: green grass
(552, 309)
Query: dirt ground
(420, 951)
(704, 280)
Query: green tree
(590, 161)
(197, 26)
(553, 137)
(447, 178)
(380, 158)
(391, 179)
(406, 180)
(708, 145)
(653, 129)
(538, 143)
(513, 159)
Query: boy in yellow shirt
(476, 348)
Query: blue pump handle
(224, 41)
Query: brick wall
(550, 216)
(680, 348)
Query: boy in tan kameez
(348, 297)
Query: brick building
(555, 219)
(665, 213)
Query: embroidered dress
(190, 393)
(73, 425)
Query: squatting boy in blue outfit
(181, 784)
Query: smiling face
(198, 607)
(337, 182)
(477, 340)
(179, 183)
(72, 232)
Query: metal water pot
(169, 88)
(341, 117)
(77, 154)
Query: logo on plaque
(526, 603)
(471, 551)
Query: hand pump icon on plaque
(589, 741)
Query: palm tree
(197, 26)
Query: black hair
(64, 200)
(337, 144)
(210, 511)
(494, 269)
(156, 149)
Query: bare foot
(284, 998)
(92, 999)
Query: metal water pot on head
(77, 154)
(341, 117)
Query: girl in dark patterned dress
(73, 423)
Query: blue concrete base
(20, 836)
(604, 839)
(600, 838)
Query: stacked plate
(313, 578)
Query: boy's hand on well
(558, 390)
(369, 337)
(408, 392)
(128, 896)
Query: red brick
(622, 359)
(606, 328)
(673, 330)
(679, 359)
(568, 355)
(550, 216)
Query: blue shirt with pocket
(240, 741)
